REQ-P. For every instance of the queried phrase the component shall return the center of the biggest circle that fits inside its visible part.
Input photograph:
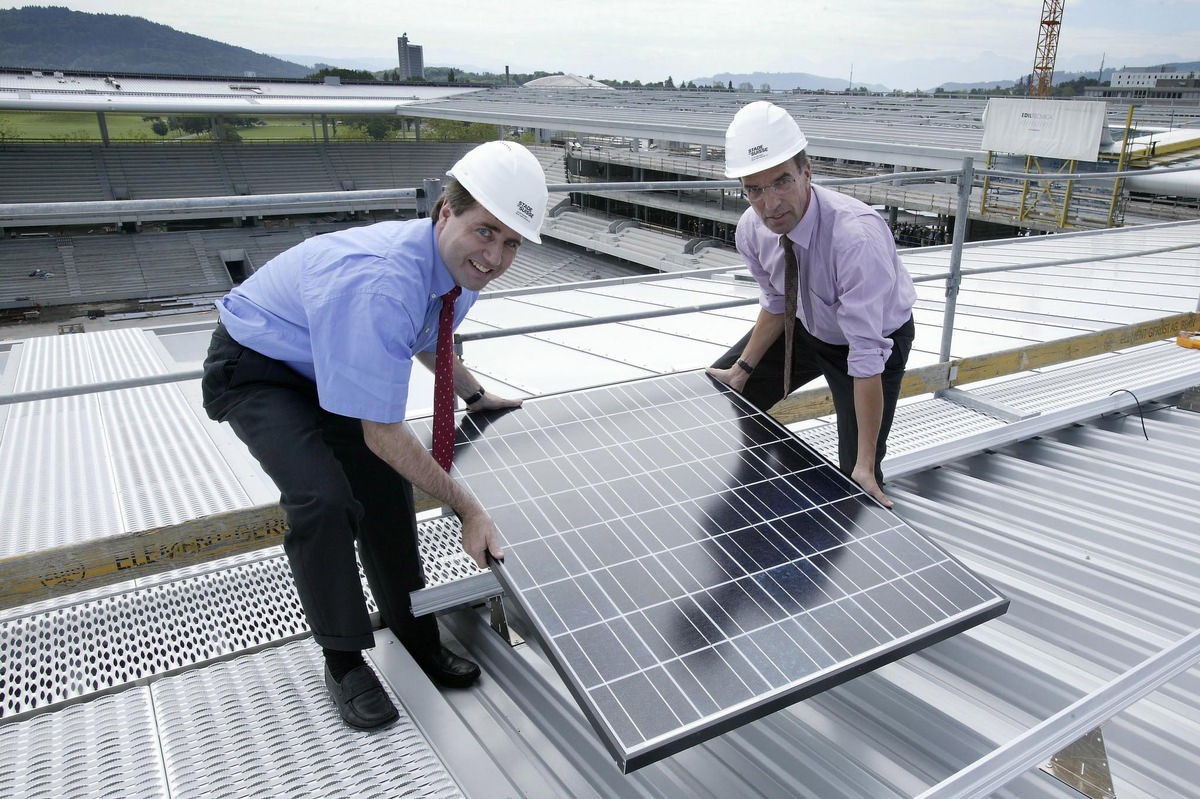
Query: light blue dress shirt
(349, 310)
(858, 289)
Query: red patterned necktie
(791, 277)
(443, 383)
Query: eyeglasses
(778, 188)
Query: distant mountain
(58, 38)
(369, 64)
(1174, 66)
(1067, 77)
(784, 81)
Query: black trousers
(334, 491)
(813, 358)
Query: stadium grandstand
(151, 641)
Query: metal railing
(964, 179)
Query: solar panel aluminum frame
(533, 624)
(633, 759)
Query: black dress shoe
(444, 667)
(361, 700)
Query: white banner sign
(1047, 128)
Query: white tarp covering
(1047, 128)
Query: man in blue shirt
(310, 365)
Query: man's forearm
(868, 412)
(401, 450)
(767, 328)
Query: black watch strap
(745, 367)
(476, 397)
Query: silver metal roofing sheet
(57, 487)
(165, 467)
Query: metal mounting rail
(1026, 428)
(997, 769)
(189, 207)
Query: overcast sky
(902, 44)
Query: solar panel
(688, 565)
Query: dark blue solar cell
(697, 695)
(638, 583)
(541, 557)
(740, 606)
(676, 628)
(603, 648)
(570, 604)
(650, 714)
(651, 635)
(719, 679)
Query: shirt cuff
(867, 362)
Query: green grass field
(83, 126)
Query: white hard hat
(761, 135)
(507, 180)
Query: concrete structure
(567, 81)
(1144, 79)
(412, 59)
(1150, 85)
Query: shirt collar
(803, 233)
(441, 281)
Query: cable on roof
(1141, 417)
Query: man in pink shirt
(851, 294)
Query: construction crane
(1041, 82)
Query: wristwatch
(476, 397)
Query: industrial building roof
(1063, 505)
(925, 132)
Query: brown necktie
(443, 383)
(791, 278)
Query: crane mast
(1041, 82)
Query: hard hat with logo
(507, 180)
(761, 135)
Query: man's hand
(480, 537)
(734, 377)
(490, 402)
(865, 477)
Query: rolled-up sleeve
(866, 275)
